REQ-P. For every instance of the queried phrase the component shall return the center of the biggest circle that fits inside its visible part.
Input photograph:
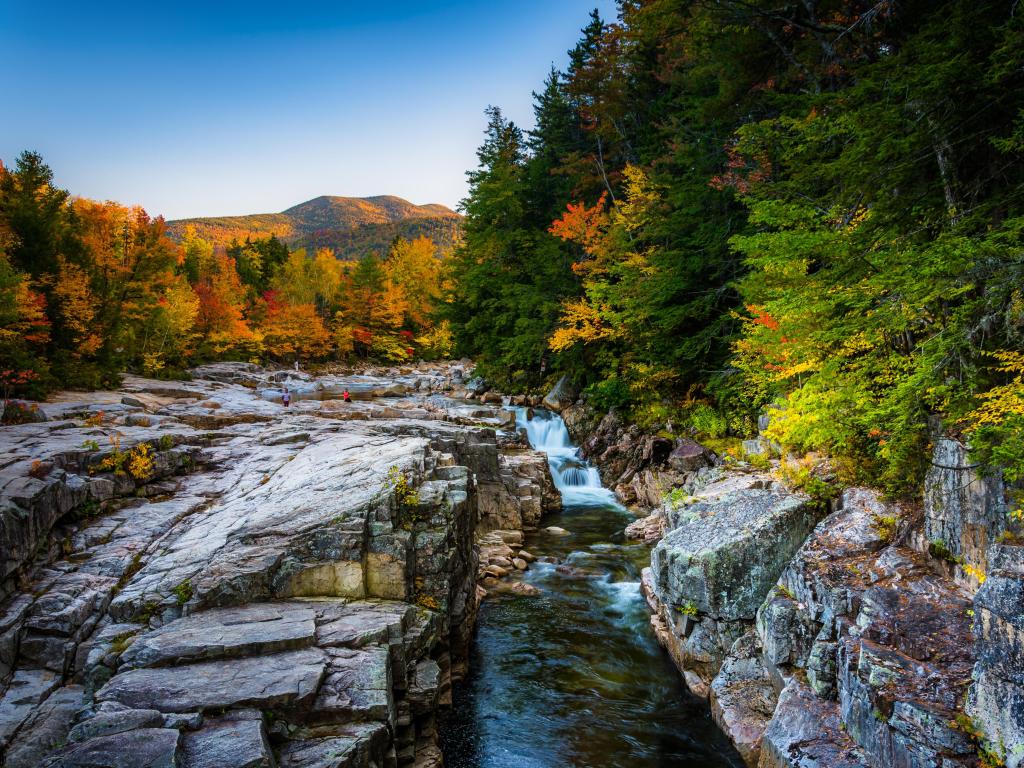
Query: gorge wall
(195, 576)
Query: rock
(357, 686)
(964, 509)
(806, 732)
(26, 690)
(648, 529)
(520, 564)
(496, 571)
(46, 729)
(223, 633)
(476, 386)
(723, 556)
(743, 698)
(280, 680)
(107, 723)
(996, 697)
(229, 744)
(561, 396)
(554, 530)
(142, 748)
(520, 588)
(358, 746)
(688, 456)
(523, 554)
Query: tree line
(731, 205)
(90, 289)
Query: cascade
(577, 480)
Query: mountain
(351, 226)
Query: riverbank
(195, 575)
(846, 632)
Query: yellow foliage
(580, 323)
(1006, 400)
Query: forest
(91, 289)
(732, 205)
(723, 206)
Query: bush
(707, 422)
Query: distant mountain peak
(349, 225)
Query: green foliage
(886, 525)
(752, 215)
(707, 421)
(183, 592)
(404, 493)
(687, 609)
(937, 548)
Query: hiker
(296, 365)
(346, 396)
(286, 397)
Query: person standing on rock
(296, 365)
(346, 397)
(286, 397)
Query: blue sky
(219, 108)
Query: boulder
(723, 556)
(807, 732)
(223, 633)
(964, 509)
(561, 396)
(688, 456)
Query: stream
(575, 677)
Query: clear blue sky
(225, 107)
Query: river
(574, 677)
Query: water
(574, 677)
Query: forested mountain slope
(350, 226)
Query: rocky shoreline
(196, 576)
(853, 633)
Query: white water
(576, 480)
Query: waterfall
(576, 480)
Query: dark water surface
(574, 677)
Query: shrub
(399, 484)
(708, 422)
(886, 525)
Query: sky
(224, 107)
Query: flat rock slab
(259, 628)
(364, 623)
(357, 746)
(281, 679)
(357, 686)
(229, 744)
(142, 748)
(726, 553)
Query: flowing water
(574, 677)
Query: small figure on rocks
(346, 396)
(286, 397)
(296, 365)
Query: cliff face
(866, 634)
(194, 573)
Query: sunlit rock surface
(267, 586)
